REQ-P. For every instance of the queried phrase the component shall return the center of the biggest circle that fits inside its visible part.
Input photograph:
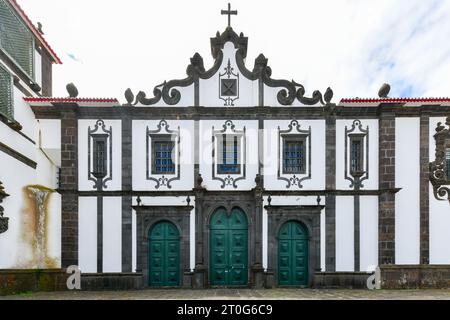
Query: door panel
(292, 254)
(229, 248)
(164, 255)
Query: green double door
(292, 255)
(164, 255)
(228, 248)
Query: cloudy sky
(353, 46)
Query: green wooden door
(164, 255)
(292, 255)
(229, 248)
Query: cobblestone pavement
(235, 294)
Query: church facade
(229, 177)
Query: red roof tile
(392, 100)
(34, 30)
(70, 100)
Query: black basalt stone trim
(146, 218)
(184, 193)
(309, 216)
(127, 241)
(330, 185)
(424, 190)
(225, 113)
(356, 224)
(99, 234)
(15, 68)
(17, 155)
(15, 126)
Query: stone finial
(328, 95)
(39, 28)
(129, 96)
(384, 90)
(72, 90)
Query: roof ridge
(36, 32)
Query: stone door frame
(149, 216)
(308, 216)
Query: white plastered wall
(407, 200)
(439, 212)
(83, 183)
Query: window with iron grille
(447, 163)
(163, 148)
(294, 155)
(99, 155)
(356, 154)
(6, 94)
(16, 39)
(228, 154)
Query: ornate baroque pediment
(438, 176)
(287, 92)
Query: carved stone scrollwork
(438, 175)
(100, 132)
(3, 220)
(356, 178)
(290, 91)
(167, 90)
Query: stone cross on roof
(229, 12)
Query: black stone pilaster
(127, 251)
(330, 200)
(386, 201)
(424, 189)
(99, 234)
(356, 238)
(68, 184)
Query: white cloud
(353, 46)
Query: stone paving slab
(238, 294)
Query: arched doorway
(164, 255)
(292, 254)
(228, 248)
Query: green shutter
(6, 103)
(15, 38)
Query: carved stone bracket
(3, 220)
(438, 175)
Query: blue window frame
(447, 163)
(162, 156)
(228, 146)
(294, 155)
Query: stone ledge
(415, 276)
(348, 280)
(14, 281)
(111, 281)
